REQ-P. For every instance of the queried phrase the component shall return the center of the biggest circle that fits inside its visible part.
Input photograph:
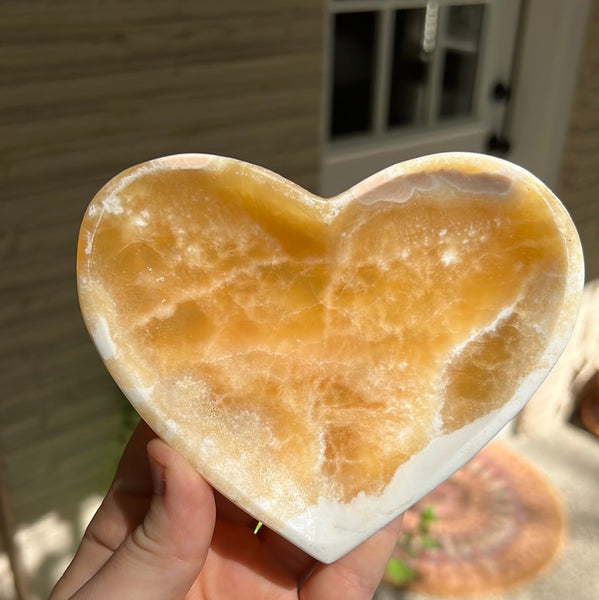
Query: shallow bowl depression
(324, 363)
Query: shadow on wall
(48, 544)
(46, 541)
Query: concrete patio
(569, 459)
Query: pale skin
(162, 533)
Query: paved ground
(569, 458)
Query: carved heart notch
(324, 363)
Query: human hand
(162, 533)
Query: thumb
(163, 556)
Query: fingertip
(187, 498)
(170, 546)
(159, 451)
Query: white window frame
(384, 36)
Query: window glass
(399, 68)
(409, 90)
(353, 73)
(461, 57)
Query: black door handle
(501, 92)
(498, 145)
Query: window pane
(462, 45)
(408, 99)
(353, 73)
(464, 22)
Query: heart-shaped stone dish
(324, 363)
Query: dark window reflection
(462, 41)
(408, 100)
(353, 73)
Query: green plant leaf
(427, 518)
(429, 542)
(399, 572)
(428, 514)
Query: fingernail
(158, 476)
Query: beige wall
(579, 180)
(88, 89)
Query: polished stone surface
(324, 363)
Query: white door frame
(553, 35)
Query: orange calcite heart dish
(324, 363)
